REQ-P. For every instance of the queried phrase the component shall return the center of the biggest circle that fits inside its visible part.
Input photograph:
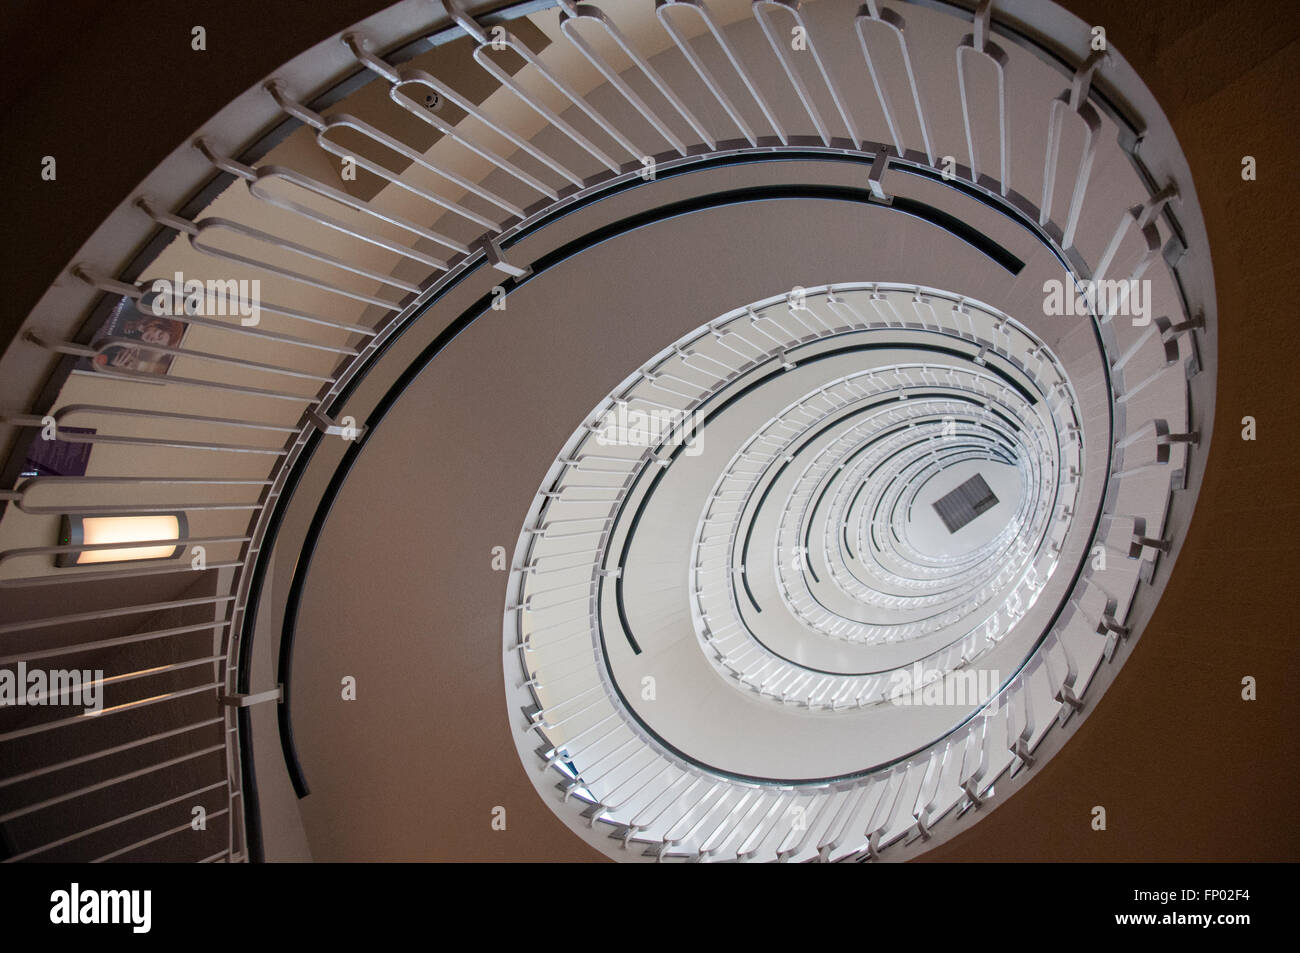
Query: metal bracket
(463, 20)
(1153, 206)
(245, 700)
(1164, 439)
(877, 173)
(1070, 703)
(1142, 541)
(333, 428)
(89, 276)
(1169, 334)
(292, 107)
(492, 252)
(1110, 627)
(60, 347)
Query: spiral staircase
(710, 302)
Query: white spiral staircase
(849, 215)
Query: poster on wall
(59, 457)
(126, 322)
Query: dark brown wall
(1185, 768)
(110, 89)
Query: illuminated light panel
(103, 530)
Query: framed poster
(58, 457)
(126, 321)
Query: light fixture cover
(159, 528)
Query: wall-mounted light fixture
(143, 536)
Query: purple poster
(59, 457)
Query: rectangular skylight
(963, 504)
